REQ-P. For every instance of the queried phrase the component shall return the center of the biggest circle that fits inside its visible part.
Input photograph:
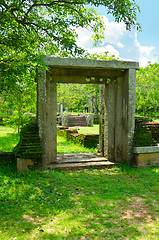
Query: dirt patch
(136, 209)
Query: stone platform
(80, 161)
(146, 156)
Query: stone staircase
(29, 155)
(74, 120)
(81, 161)
(28, 151)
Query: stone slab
(149, 149)
(22, 164)
(147, 159)
(65, 166)
(75, 160)
(90, 63)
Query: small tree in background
(22, 100)
(147, 90)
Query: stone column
(101, 119)
(118, 120)
(50, 136)
(47, 117)
(129, 96)
(61, 109)
(90, 105)
(109, 121)
(41, 100)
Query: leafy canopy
(147, 90)
(30, 29)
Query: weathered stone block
(23, 165)
(146, 156)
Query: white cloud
(84, 37)
(109, 48)
(118, 41)
(143, 49)
(143, 61)
(114, 31)
(120, 45)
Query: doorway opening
(78, 114)
(118, 79)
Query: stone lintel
(89, 63)
(88, 72)
(81, 79)
(149, 149)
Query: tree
(22, 100)
(147, 90)
(33, 28)
(76, 96)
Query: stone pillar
(50, 137)
(109, 121)
(129, 96)
(101, 118)
(61, 109)
(47, 117)
(95, 105)
(41, 101)
(118, 120)
(90, 105)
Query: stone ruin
(117, 80)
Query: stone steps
(79, 161)
(77, 121)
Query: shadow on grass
(101, 204)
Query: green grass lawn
(9, 139)
(64, 146)
(94, 129)
(156, 120)
(118, 203)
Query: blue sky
(136, 46)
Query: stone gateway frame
(117, 98)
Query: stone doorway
(118, 81)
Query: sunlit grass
(9, 139)
(118, 203)
(93, 130)
(156, 120)
(64, 146)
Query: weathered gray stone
(89, 119)
(146, 156)
(118, 79)
(150, 149)
(24, 165)
(90, 63)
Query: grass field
(117, 203)
(9, 139)
(94, 129)
(156, 120)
